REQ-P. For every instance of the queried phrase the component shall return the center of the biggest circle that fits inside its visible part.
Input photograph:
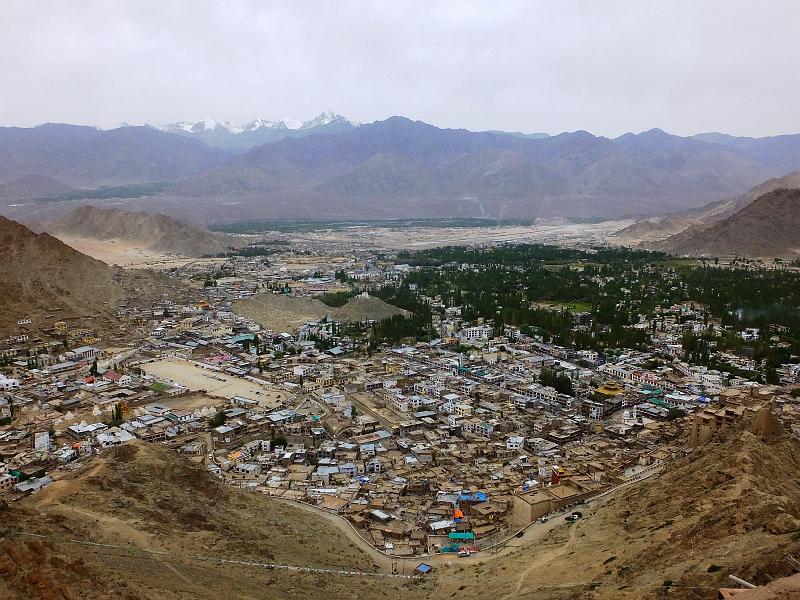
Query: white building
(114, 437)
(515, 442)
(86, 352)
(6, 383)
(478, 332)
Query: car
(577, 514)
(570, 518)
(544, 519)
(463, 554)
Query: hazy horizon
(608, 67)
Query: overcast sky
(607, 67)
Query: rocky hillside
(769, 226)
(152, 231)
(172, 527)
(40, 276)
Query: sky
(608, 67)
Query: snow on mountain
(326, 118)
(210, 124)
(292, 123)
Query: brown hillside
(766, 227)
(152, 231)
(654, 232)
(40, 275)
(702, 218)
(731, 507)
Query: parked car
(543, 519)
(571, 518)
(577, 514)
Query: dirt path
(113, 528)
(540, 560)
(380, 559)
(53, 493)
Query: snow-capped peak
(210, 124)
(258, 124)
(326, 118)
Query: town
(401, 391)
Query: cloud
(605, 66)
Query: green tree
(116, 415)
(675, 413)
(217, 420)
(772, 376)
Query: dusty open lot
(414, 238)
(214, 383)
(132, 256)
(191, 402)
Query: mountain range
(334, 168)
(400, 168)
(240, 137)
(55, 156)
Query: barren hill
(683, 225)
(283, 313)
(40, 275)
(766, 227)
(171, 530)
(152, 231)
(655, 229)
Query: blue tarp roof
(476, 497)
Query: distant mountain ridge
(240, 137)
(396, 168)
(209, 123)
(86, 157)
